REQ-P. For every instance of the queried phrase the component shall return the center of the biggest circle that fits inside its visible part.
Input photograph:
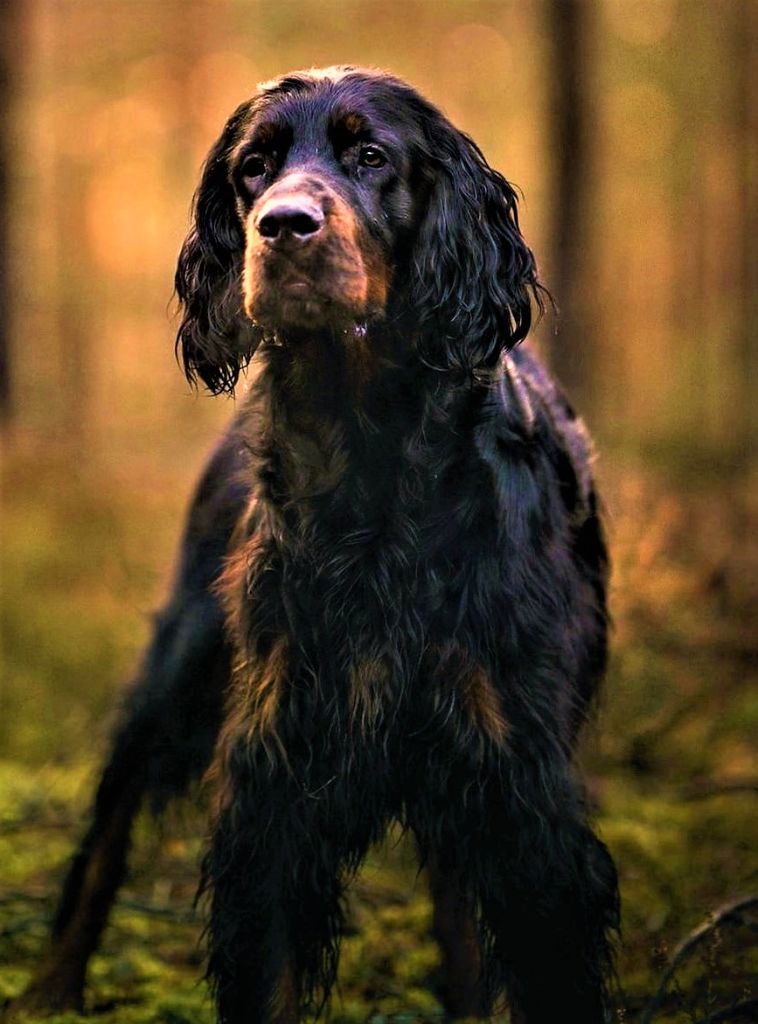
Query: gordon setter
(390, 602)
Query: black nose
(289, 218)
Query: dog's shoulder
(533, 419)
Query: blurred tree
(76, 288)
(745, 44)
(568, 24)
(7, 47)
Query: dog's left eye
(371, 156)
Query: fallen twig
(728, 913)
(745, 1011)
(702, 789)
(176, 915)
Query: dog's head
(338, 198)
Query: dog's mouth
(297, 290)
(303, 303)
(291, 302)
(280, 300)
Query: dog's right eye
(252, 167)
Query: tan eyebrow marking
(265, 133)
(354, 123)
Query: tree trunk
(8, 44)
(571, 349)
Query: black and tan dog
(400, 532)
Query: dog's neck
(339, 412)
(360, 371)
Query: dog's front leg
(548, 895)
(293, 822)
(500, 823)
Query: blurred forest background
(631, 127)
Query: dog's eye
(371, 156)
(253, 167)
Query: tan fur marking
(353, 123)
(481, 701)
(368, 687)
(478, 694)
(284, 1006)
(265, 133)
(252, 708)
(231, 585)
(345, 258)
(378, 272)
(266, 686)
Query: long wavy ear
(472, 276)
(215, 337)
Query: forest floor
(670, 760)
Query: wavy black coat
(414, 586)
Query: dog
(390, 603)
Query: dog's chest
(380, 560)
(369, 607)
(373, 589)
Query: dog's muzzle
(308, 262)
